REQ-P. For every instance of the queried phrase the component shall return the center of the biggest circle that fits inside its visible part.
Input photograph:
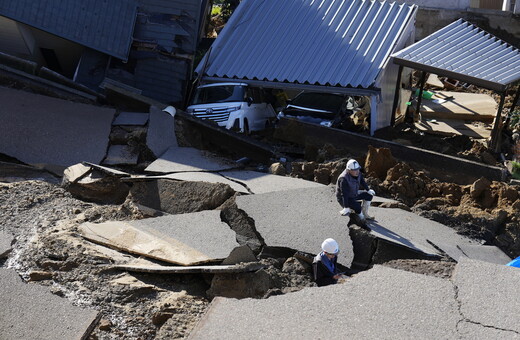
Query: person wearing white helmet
(324, 265)
(348, 191)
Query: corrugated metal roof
(465, 52)
(102, 25)
(321, 42)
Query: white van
(235, 106)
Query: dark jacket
(322, 275)
(348, 187)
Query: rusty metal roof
(465, 52)
(320, 42)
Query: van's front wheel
(245, 130)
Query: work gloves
(372, 192)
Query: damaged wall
(504, 25)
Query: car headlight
(234, 108)
(280, 115)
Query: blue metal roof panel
(322, 42)
(466, 52)
(101, 25)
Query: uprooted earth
(43, 217)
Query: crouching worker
(348, 191)
(324, 264)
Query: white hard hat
(353, 165)
(330, 246)
(170, 109)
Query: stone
(88, 184)
(479, 186)
(105, 325)
(39, 276)
(277, 169)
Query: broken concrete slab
(433, 81)
(121, 154)
(223, 269)
(416, 232)
(375, 304)
(478, 252)
(198, 176)
(452, 127)
(161, 131)
(186, 239)
(31, 311)
(175, 197)
(259, 182)
(40, 129)
(240, 255)
(6, 241)
(299, 219)
(88, 183)
(184, 159)
(460, 105)
(12, 172)
(110, 171)
(490, 285)
(131, 118)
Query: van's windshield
(219, 94)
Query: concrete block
(30, 311)
(161, 131)
(176, 197)
(185, 239)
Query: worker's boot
(364, 210)
(344, 212)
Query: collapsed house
(146, 46)
(338, 47)
(466, 53)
